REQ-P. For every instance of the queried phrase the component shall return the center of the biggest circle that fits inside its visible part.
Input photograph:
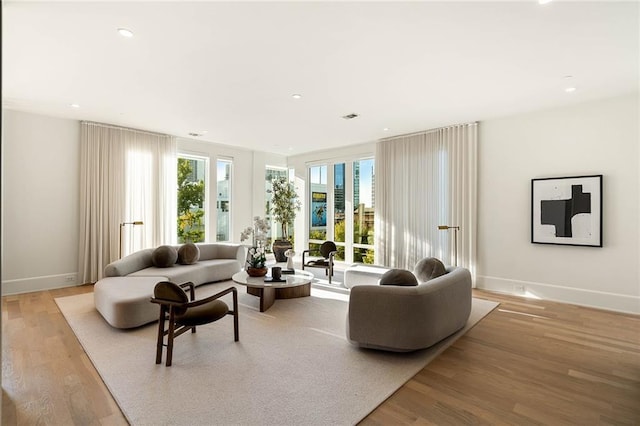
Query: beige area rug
(292, 366)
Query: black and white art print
(567, 210)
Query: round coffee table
(293, 285)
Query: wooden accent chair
(328, 251)
(184, 314)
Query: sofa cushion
(428, 269)
(188, 254)
(205, 271)
(398, 277)
(164, 256)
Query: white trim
(31, 284)
(577, 296)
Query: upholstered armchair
(403, 318)
(327, 251)
(184, 313)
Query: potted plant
(284, 204)
(256, 259)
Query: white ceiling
(231, 68)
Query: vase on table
(289, 255)
(256, 272)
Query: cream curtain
(126, 175)
(424, 180)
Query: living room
(590, 131)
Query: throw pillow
(428, 269)
(188, 254)
(164, 256)
(398, 277)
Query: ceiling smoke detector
(350, 116)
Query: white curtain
(424, 180)
(126, 176)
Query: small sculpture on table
(289, 254)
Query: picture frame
(567, 210)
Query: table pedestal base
(268, 295)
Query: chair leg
(236, 330)
(172, 326)
(159, 344)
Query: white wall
(591, 138)
(40, 172)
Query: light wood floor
(528, 362)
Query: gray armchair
(408, 318)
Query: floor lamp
(455, 239)
(137, 222)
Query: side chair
(327, 250)
(184, 313)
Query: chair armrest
(214, 297)
(192, 291)
(303, 252)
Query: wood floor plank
(529, 362)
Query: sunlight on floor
(521, 313)
(329, 294)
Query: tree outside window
(191, 200)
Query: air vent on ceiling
(194, 134)
(350, 116)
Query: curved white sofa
(408, 318)
(122, 296)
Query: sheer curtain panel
(126, 175)
(424, 180)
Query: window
(318, 203)
(223, 206)
(192, 173)
(272, 173)
(339, 188)
(341, 208)
(363, 213)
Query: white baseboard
(48, 282)
(577, 296)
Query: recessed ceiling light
(296, 96)
(350, 116)
(386, 129)
(570, 89)
(544, 1)
(74, 105)
(124, 32)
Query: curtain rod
(113, 126)
(424, 132)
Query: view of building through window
(363, 215)
(352, 231)
(339, 188)
(318, 203)
(191, 199)
(223, 203)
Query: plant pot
(257, 272)
(279, 247)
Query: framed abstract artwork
(567, 211)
